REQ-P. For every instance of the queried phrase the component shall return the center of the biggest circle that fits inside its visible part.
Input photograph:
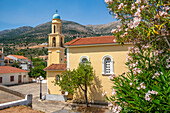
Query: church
(107, 57)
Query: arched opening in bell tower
(61, 42)
(54, 29)
(54, 42)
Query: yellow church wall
(51, 76)
(55, 56)
(96, 54)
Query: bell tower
(56, 42)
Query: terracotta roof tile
(7, 58)
(19, 56)
(92, 40)
(9, 69)
(57, 67)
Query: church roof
(56, 16)
(9, 69)
(56, 67)
(92, 40)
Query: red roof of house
(9, 69)
(7, 58)
(19, 56)
(92, 40)
(57, 67)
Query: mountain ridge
(39, 33)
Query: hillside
(39, 34)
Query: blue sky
(17, 13)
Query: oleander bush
(145, 88)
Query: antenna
(56, 11)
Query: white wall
(6, 78)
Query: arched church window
(107, 65)
(54, 29)
(54, 42)
(58, 78)
(83, 59)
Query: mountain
(39, 34)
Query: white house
(11, 75)
(24, 62)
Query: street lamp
(40, 78)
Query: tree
(81, 77)
(37, 71)
(145, 88)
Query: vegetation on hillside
(26, 52)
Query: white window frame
(83, 58)
(111, 65)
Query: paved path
(46, 105)
(7, 97)
(31, 88)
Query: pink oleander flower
(154, 92)
(145, 47)
(113, 30)
(142, 85)
(120, 6)
(108, 1)
(114, 40)
(118, 26)
(138, 1)
(138, 88)
(130, 84)
(113, 92)
(156, 53)
(121, 36)
(168, 60)
(168, 66)
(110, 105)
(112, 76)
(162, 13)
(137, 50)
(157, 74)
(147, 96)
(116, 109)
(104, 94)
(133, 6)
(153, 77)
(125, 33)
(142, 7)
(126, 29)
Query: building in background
(24, 63)
(11, 75)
